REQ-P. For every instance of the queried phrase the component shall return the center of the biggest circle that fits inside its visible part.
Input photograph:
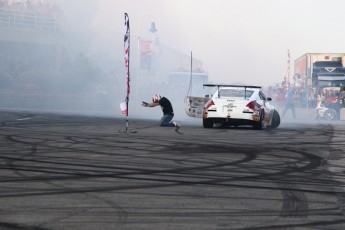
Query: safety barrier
(18, 19)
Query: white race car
(234, 105)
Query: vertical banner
(124, 105)
(127, 43)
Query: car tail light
(208, 104)
(252, 107)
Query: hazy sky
(237, 40)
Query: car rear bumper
(232, 119)
(234, 116)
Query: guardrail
(19, 19)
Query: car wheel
(275, 120)
(207, 123)
(329, 115)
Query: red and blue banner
(124, 105)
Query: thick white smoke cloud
(237, 41)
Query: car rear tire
(275, 120)
(207, 123)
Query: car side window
(262, 96)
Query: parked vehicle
(330, 103)
(322, 112)
(319, 70)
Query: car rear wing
(235, 86)
(242, 86)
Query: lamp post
(152, 29)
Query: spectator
(290, 102)
(312, 98)
(280, 98)
(303, 98)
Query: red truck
(320, 70)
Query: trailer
(319, 70)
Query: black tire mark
(302, 161)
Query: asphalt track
(83, 172)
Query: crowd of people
(302, 98)
(287, 98)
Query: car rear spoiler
(221, 85)
(237, 86)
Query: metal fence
(18, 19)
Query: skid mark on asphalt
(170, 169)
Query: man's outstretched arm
(149, 104)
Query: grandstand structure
(26, 31)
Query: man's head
(156, 98)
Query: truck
(187, 82)
(319, 70)
(183, 78)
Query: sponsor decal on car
(256, 117)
